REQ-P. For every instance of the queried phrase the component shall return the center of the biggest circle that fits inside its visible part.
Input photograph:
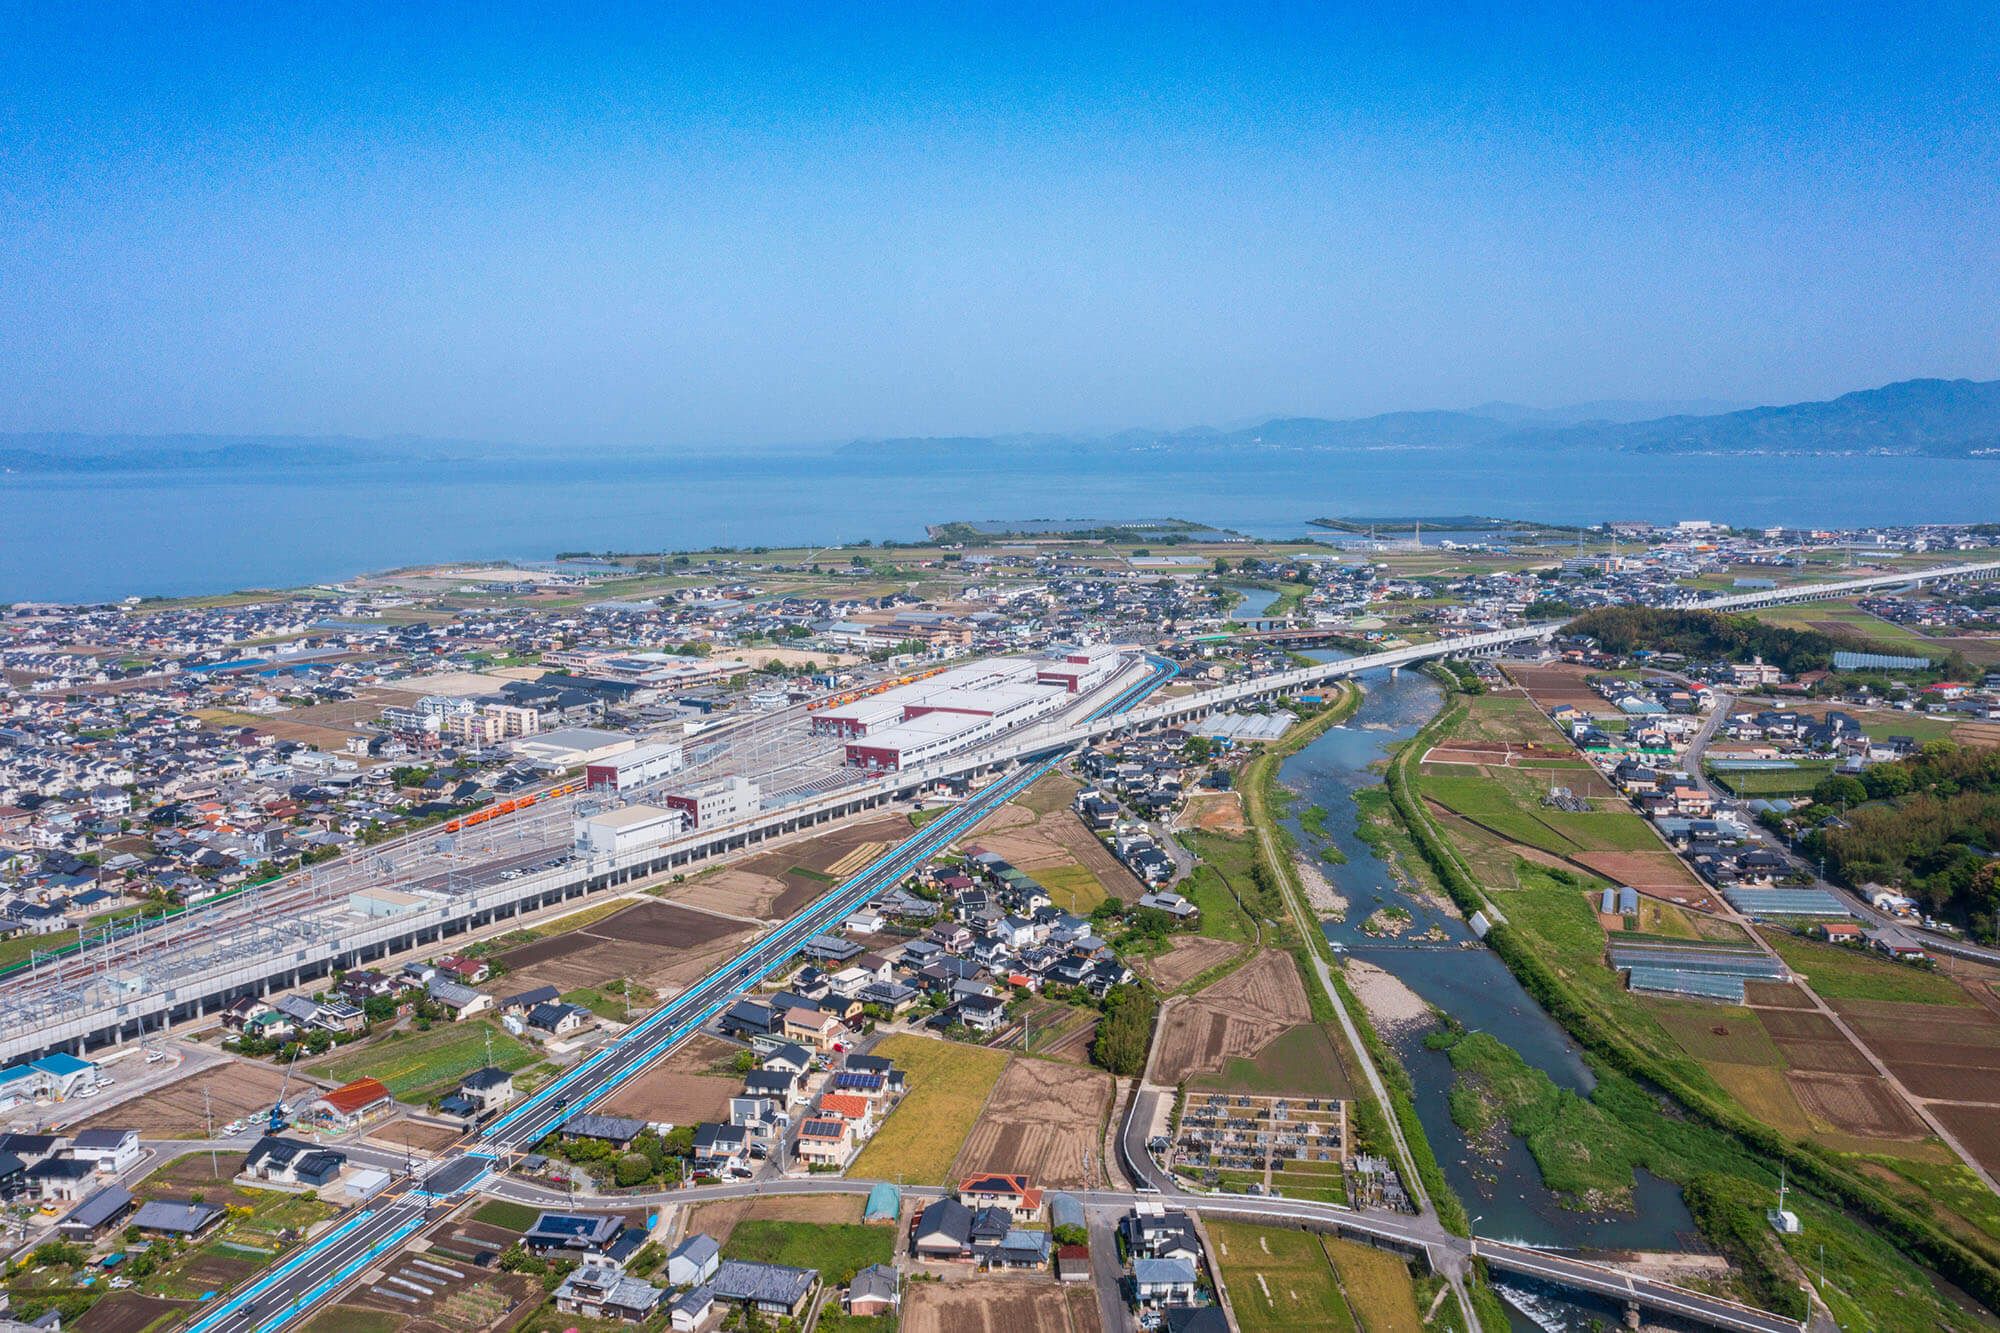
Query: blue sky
(745, 226)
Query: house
(283, 1161)
(616, 1130)
(825, 1141)
(61, 1179)
(112, 1151)
(172, 1217)
(943, 1231)
(1175, 906)
(558, 1020)
(602, 1291)
(1196, 1319)
(13, 1176)
(480, 1094)
(770, 1289)
(101, 1209)
(694, 1260)
(521, 1004)
(29, 1149)
(1016, 1249)
(749, 1019)
(1839, 932)
(460, 1000)
(788, 1059)
(350, 1104)
(1151, 1231)
(812, 1027)
(1163, 1282)
(874, 1290)
(721, 1150)
(982, 1013)
(775, 1085)
(573, 1235)
(1021, 1201)
(690, 1309)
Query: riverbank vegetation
(1653, 1092)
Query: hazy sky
(699, 224)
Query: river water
(1501, 1189)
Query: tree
(634, 1168)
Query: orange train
(849, 696)
(492, 812)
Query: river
(1251, 603)
(1501, 1190)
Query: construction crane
(281, 1115)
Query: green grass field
(837, 1249)
(1838, 972)
(1073, 887)
(1278, 1280)
(1301, 1061)
(1520, 817)
(949, 1083)
(418, 1066)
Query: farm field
(1254, 1026)
(1278, 1280)
(234, 1088)
(1840, 973)
(837, 1249)
(1044, 1120)
(127, 1312)
(1000, 1305)
(421, 1066)
(779, 882)
(682, 1089)
(721, 1218)
(1221, 812)
(1377, 1285)
(949, 1084)
(1186, 958)
(1559, 683)
(1057, 1031)
(1948, 1055)
(660, 945)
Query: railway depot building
(958, 707)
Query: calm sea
(91, 537)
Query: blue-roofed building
(885, 1204)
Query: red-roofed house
(995, 1190)
(350, 1104)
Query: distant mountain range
(1919, 418)
(58, 451)
(1932, 418)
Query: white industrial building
(572, 747)
(960, 707)
(1082, 669)
(636, 768)
(717, 801)
(623, 830)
